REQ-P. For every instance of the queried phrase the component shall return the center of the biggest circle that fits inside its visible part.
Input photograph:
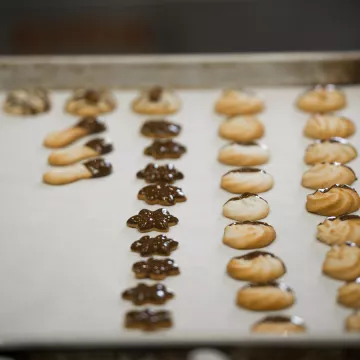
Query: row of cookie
(335, 198)
(159, 191)
(95, 168)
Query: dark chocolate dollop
(98, 167)
(100, 145)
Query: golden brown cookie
(242, 129)
(349, 294)
(352, 323)
(323, 175)
(336, 200)
(332, 150)
(322, 99)
(326, 126)
(236, 102)
(268, 296)
(280, 325)
(90, 102)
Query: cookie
(158, 245)
(143, 294)
(326, 126)
(322, 99)
(349, 294)
(269, 296)
(154, 173)
(247, 206)
(90, 169)
(247, 180)
(155, 269)
(248, 235)
(157, 220)
(323, 175)
(242, 129)
(236, 102)
(280, 325)
(148, 320)
(332, 150)
(244, 154)
(86, 126)
(162, 194)
(92, 148)
(27, 102)
(352, 323)
(336, 200)
(165, 149)
(156, 100)
(339, 230)
(160, 129)
(90, 102)
(342, 262)
(256, 266)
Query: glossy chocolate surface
(165, 149)
(254, 254)
(98, 167)
(101, 146)
(155, 93)
(158, 245)
(248, 222)
(160, 129)
(92, 124)
(148, 320)
(148, 294)
(162, 194)
(338, 186)
(153, 268)
(153, 173)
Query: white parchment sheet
(65, 251)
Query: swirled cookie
(249, 235)
(339, 230)
(156, 100)
(342, 262)
(247, 180)
(247, 206)
(336, 200)
(349, 294)
(244, 154)
(322, 99)
(242, 128)
(235, 102)
(256, 266)
(268, 296)
(323, 175)
(90, 102)
(280, 325)
(332, 150)
(352, 323)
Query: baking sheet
(65, 251)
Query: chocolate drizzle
(339, 186)
(92, 96)
(91, 124)
(148, 294)
(154, 94)
(158, 245)
(245, 170)
(160, 129)
(100, 145)
(248, 222)
(155, 268)
(98, 167)
(153, 173)
(244, 196)
(254, 254)
(282, 319)
(148, 320)
(162, 194)
(343, 218)
(163, 149)
(275, 284)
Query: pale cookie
(270, 296)
(256, 266)
(247, 180)
(27, 102)
(322, 99)
(90, 102)
(86, 126)
(332, 150)
(242, 128)
(247, 206)
(323, 175)
(156, 101)
(280, 325)
(352, 323)
(326, 126)
(91, 169)
(336, 200)
(92, 148)
(342, 262)
(248, 235)
(349, 294)
(236, 102)
(244, 154)
(339, 230)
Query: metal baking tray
(65, 251)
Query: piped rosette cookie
(349, 294)
(336, 200)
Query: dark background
(177, 26)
